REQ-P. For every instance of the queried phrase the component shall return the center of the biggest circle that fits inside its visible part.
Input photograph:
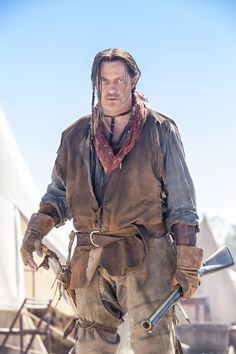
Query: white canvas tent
(11, 274)
(19, 198)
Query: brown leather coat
(132, 196)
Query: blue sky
(186, 51)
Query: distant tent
(219, 288)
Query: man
(121, 175)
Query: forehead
(113, 68)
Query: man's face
(116, 88)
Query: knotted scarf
(109, 160)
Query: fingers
(27, 258)
(39, 252)
(188, 280)
(31, 263)
(27, 250)
(39, 248)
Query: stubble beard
(118, 107)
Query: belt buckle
(91, 237)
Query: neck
(116, 124)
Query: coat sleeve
(179, 192)
(56, 194)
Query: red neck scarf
(108, 159)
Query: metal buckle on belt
(91, 237)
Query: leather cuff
(184, 234)
(40, 223)
(49, 209)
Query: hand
(189, 281)
(32, 242)
(39, 225)
(189, 260)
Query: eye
(104, 81)
(121, 80)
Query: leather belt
(97, 238)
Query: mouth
(112, 98)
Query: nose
(112, 89)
